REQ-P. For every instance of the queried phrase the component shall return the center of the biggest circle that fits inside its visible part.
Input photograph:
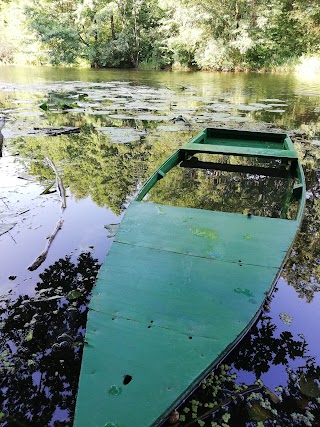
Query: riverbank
(305, 66)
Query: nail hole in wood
(127, 379)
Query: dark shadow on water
(41, 346)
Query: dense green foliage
(203, 34)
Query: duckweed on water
(221, 401)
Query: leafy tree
(118, 33)
(208, 34)
(53, 21)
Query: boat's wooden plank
(161, 362)
(192, 295)
(218, 235)
(240, 150)
(161, 318)
(244, 142)
(241, 135)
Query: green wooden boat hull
(179, 288)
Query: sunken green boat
(181, 285)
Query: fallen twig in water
(23, 212)
(41, 258)
(47, 189)
(59, 183)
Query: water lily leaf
(73, 295)
(257, 412)
(122, 135)
(112, 228)
(309, 386)
(172, 128)
(30, 335)
(287, 320)
(315, 141)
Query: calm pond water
(90, 138)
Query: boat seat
(250, 150)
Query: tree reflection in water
(261, 348)
(222, 400)
(303, 267)
(41, 346)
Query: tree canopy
(203, 34)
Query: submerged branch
(59, 183)
(47, 189)
(41, 258)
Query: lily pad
(72, 295)
(286, 318)
(173, 128)
(151, 117)
(315, 142)
(30, 335)
(112, 228)
(271, 100)
(122, 135)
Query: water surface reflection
(106, 131)
(41, 345)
